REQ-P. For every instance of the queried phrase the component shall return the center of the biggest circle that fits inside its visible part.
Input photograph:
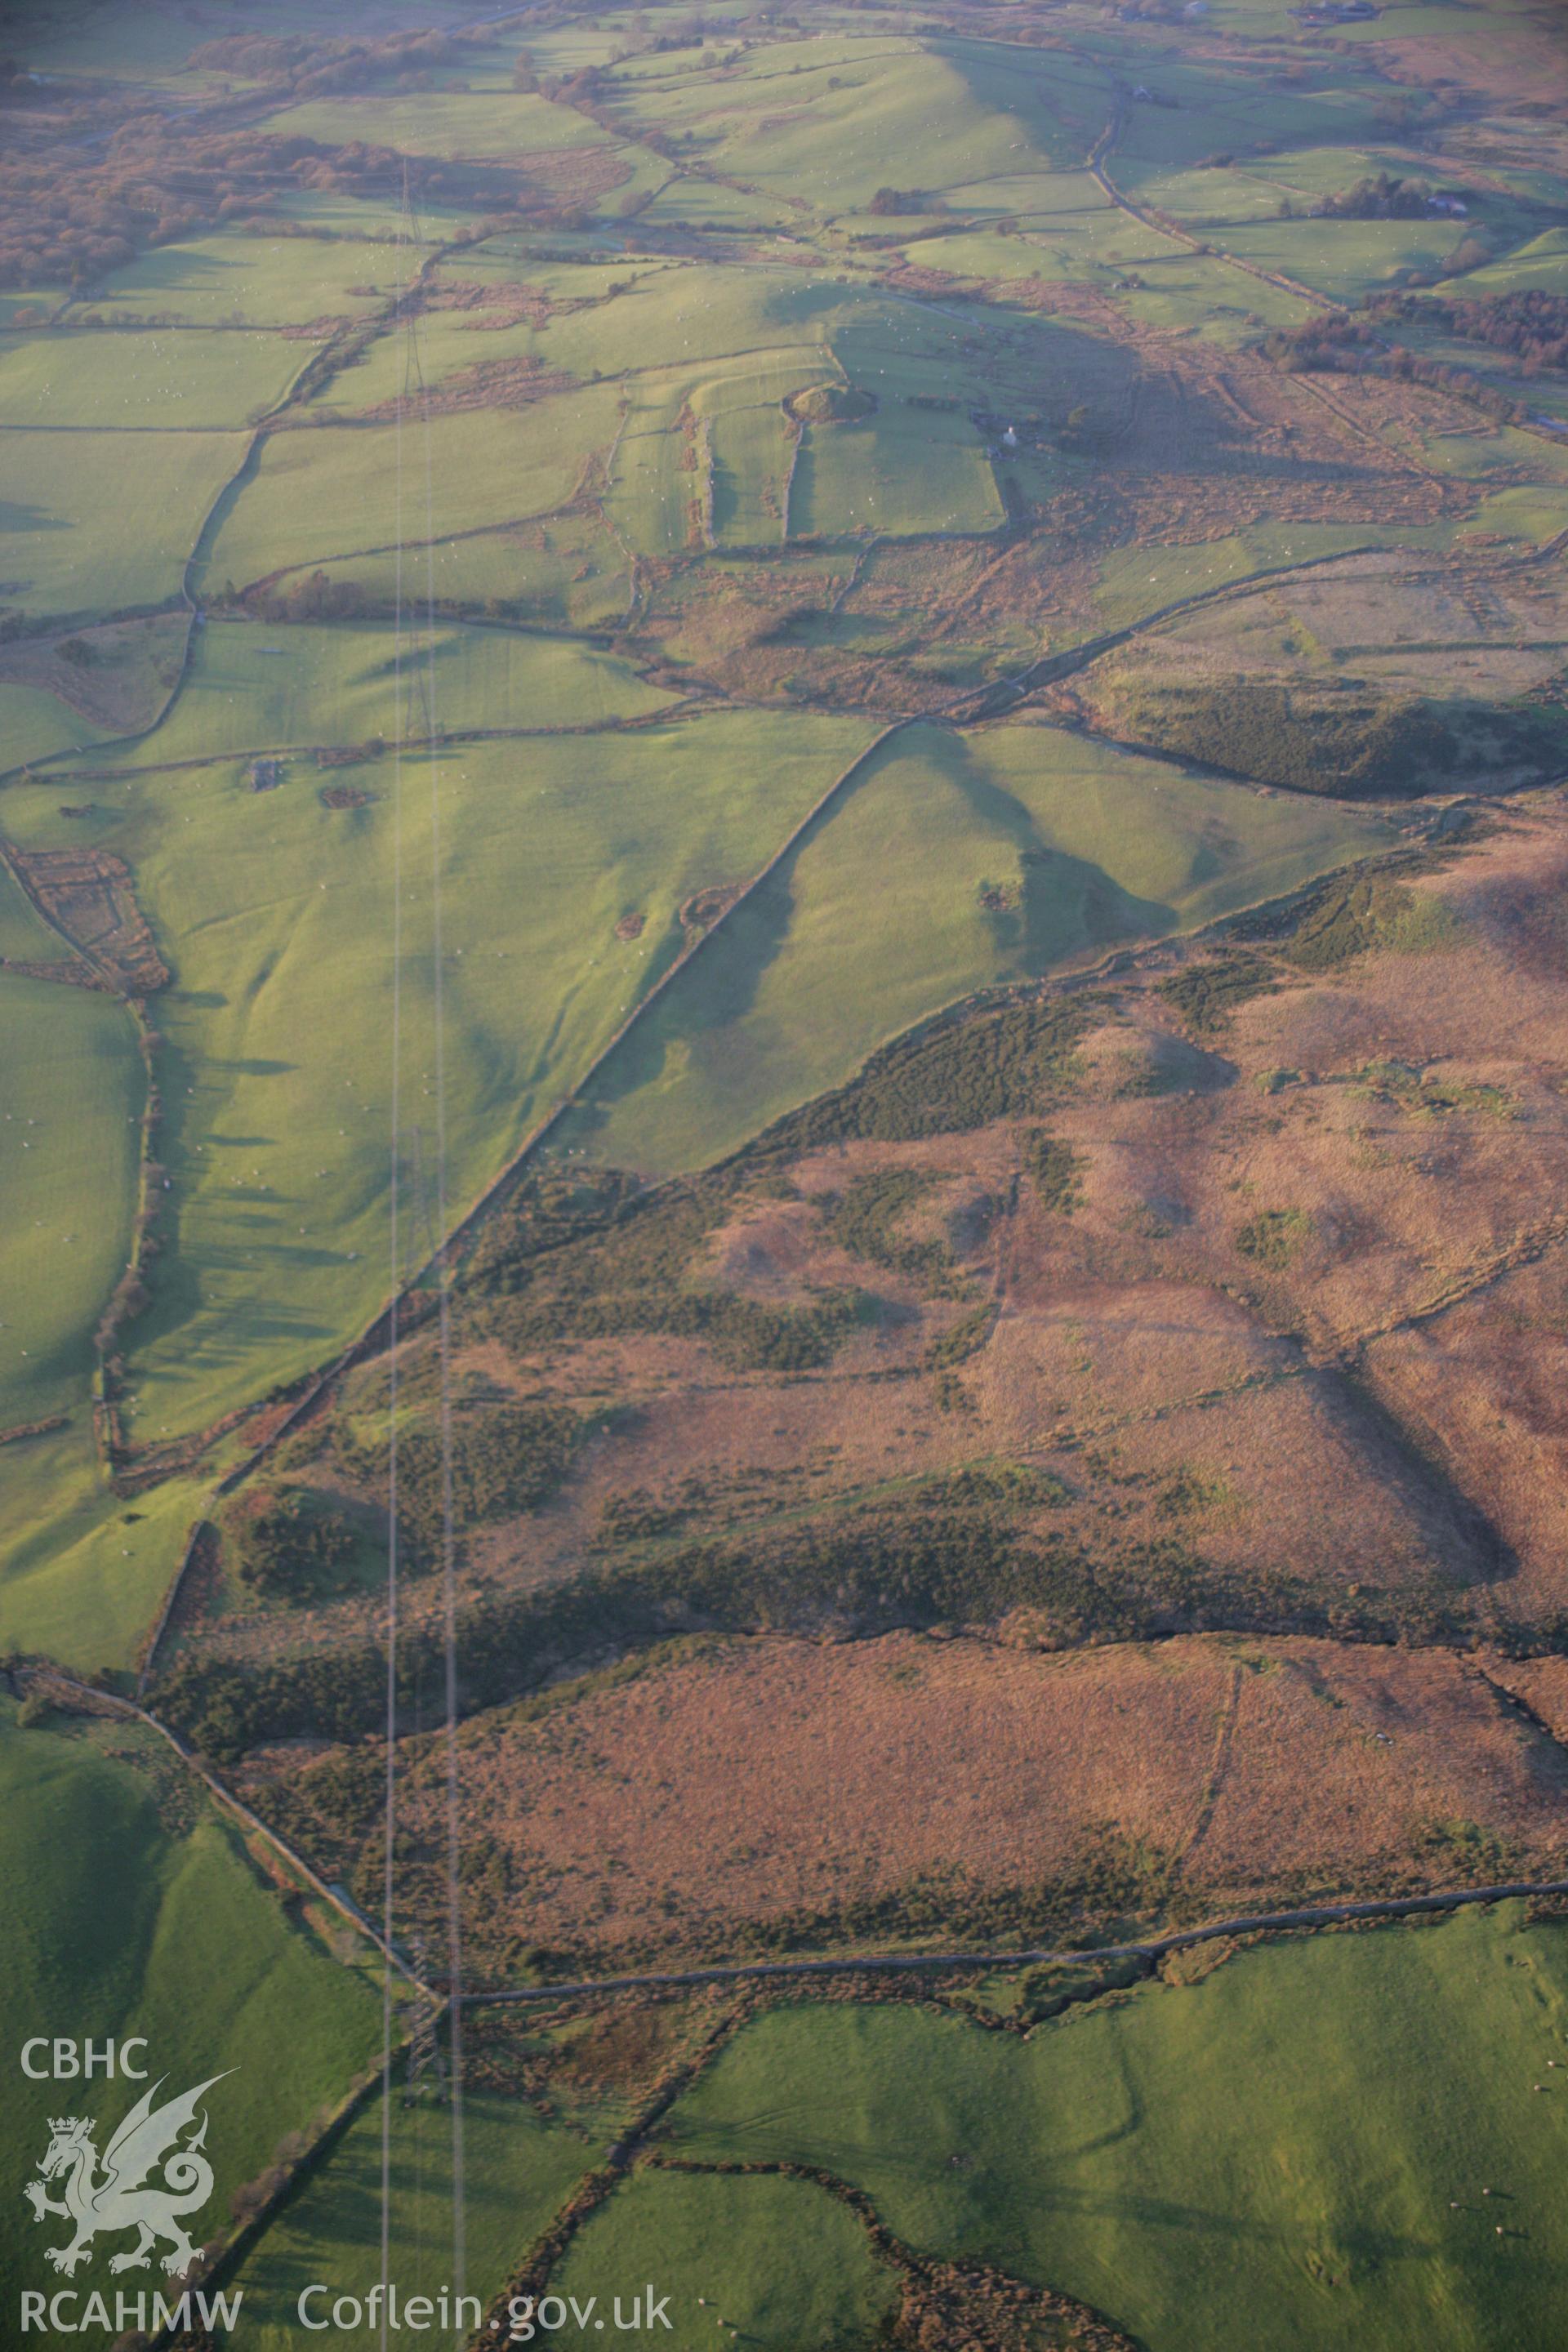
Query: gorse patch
(948, 1078)
(1053, 1167)
(1274, 1238)
(1204, 995)
(1355, 744)
(504, 1459)
(1360, 912)
(288, 1545)
(865, 1221)
(961, 1339)
(596, 1259)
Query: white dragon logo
(120, 2200)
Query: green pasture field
(694, 321)
(136, 1911)
(517, 2171)
(1288, 2155)
(1066, 245)
(1305, 173)
(1538, 265)
(1210, 197)
(977, 356)
(25, 937)
(569, 572)
(1536, 513)
(244, 278)
(447, 343)
(499, 125)
(82, 1572)
(1346, 258)
(336, 491)
(903, 470)
(565, 48)
(756, 381)
(275, 913)
(108, 520)
(1025, 196)
(875, 919)
(766, 2261)
(966, 109)
(712, 204)
(1183, 289)
(750, 454)
(738, 424)
(568, 266)
(1219, 108)
(652, 494)
(380, 220)
(154, 377)
(37, 725)
(71, 1086)
(1463, 441)
(258, 685)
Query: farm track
(1219, 1763)
(1148, 1948)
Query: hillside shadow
(1064, 902)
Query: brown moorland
(1298, 1319)
(813, 1788)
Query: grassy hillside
(110, 517)
(142, 1916)
(1214, 2165)
(517, 2171)
(261, 686)
(767, 2262)
(157, 379)
(953, 863)
(84, 1571)
(275, 1135)
(73, 1087)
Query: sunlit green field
(69, 1134)
(106, 520)
(316, 495)
(277, 912)
(762, 2260)
(1291, 2153)
(516, 2172)
(154, 376)
(878, 919)
(144, 1915)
